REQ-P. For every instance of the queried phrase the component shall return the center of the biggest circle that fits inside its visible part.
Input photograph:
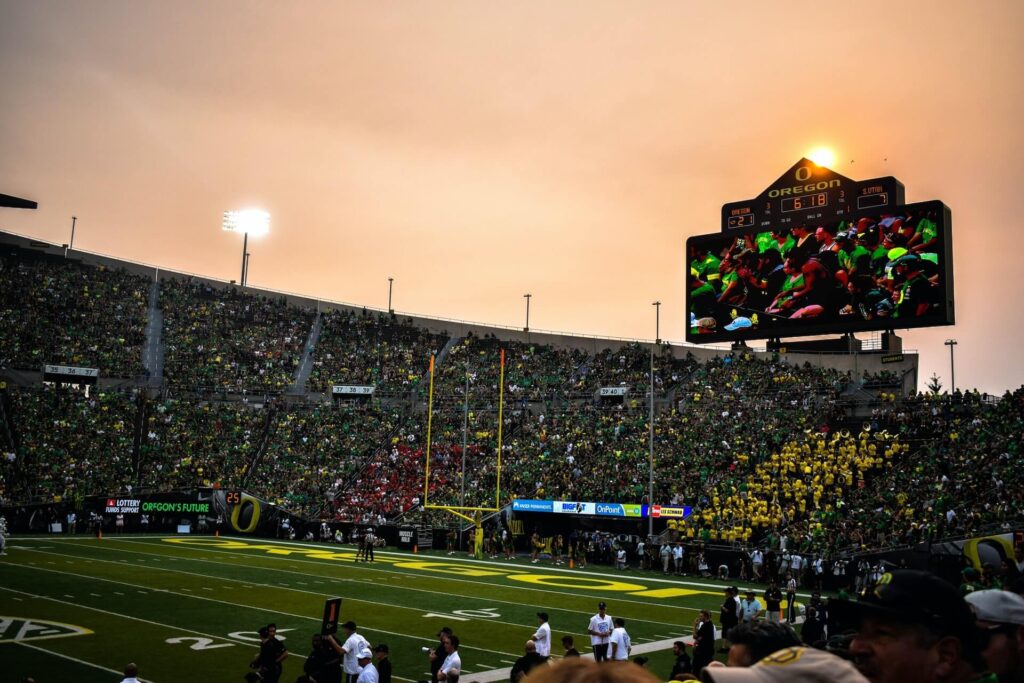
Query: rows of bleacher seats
(59, 312)
(372, 349)
(229, 340)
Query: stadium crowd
(371, 349)
(230, 340)
(57, 312)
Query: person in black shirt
(527, 662)
(272, 653)
(570, 647)
(682, 665)
(773, 602)
(383, 664)
(813, 629)
(704, 647)
(323, 665)
(728, 617)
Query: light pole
(71, 246)
(952, 373)
(527, 297)
(255, 221)
(650, 438)
(391, 282)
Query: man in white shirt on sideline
(620, 641)
(349, 650)
(369, 672)
(600, 629)
(543, 636)
(452, 666)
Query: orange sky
(476, 151)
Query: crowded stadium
(272, 476)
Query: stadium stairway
(452, 341)
(298, 387)
(153, 351)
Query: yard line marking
(118, 593)
(96, 595)
(74, 659)
(223, 602)
(205, 588)
(69, 596)
(432, 591)
(305, 592)
(247, 644)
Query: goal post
(471, 513)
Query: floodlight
(246, 221)
(249, 221)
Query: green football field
(187, 607)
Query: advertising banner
(520, 505)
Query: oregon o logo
(246, 515)
(803, 173)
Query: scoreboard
(808, 193)
(818, 253)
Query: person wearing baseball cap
(600, 629)
(382, 663)
(912, 626)
(1000, 616)
(369, 673)
(791, 665)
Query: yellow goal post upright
(458, 510)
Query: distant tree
(934, 384)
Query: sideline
(521, 569)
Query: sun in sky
(822, 156)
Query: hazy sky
(476, 151)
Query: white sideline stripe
(77, 661)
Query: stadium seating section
(758, 447)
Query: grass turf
(188, 607)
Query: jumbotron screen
(876, 271)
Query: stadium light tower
(650, 438)
(527, 297)
(391, 282)
(952, 373)
(246, 221)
